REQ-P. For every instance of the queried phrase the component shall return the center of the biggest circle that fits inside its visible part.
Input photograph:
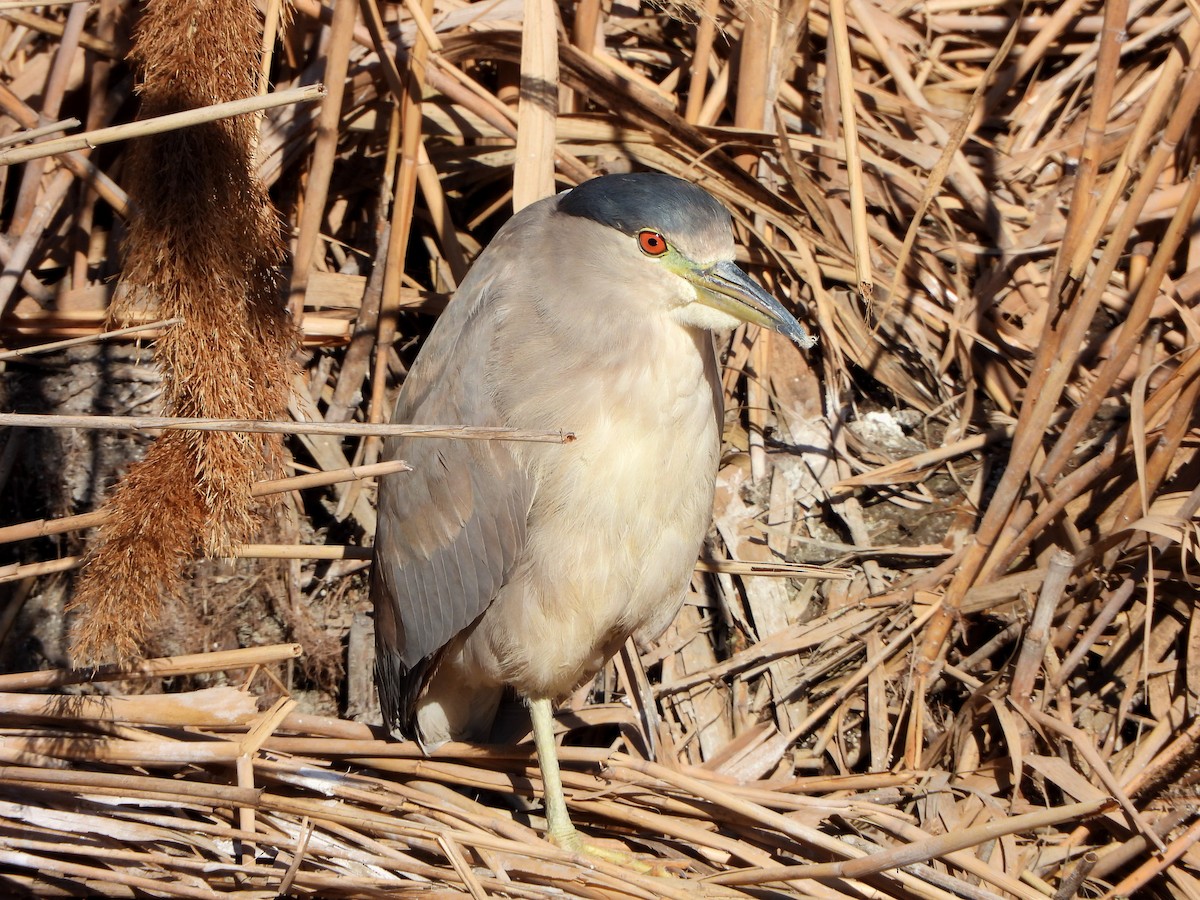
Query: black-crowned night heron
(528, 565)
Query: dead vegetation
(988, 685)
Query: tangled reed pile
(944, 643)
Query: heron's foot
(659, 868)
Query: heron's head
(674, 244)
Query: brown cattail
(204, 245)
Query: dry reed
(988, 213)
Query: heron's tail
(440, 699)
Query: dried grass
(989, 213)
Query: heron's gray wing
(451, 529)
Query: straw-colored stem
(251, 426)
(849, 129)
(316, 191)
(46, 527)
(931, 848)
(1082, 200)
(163, 667)
(161, 124)
(56, 85)
(404, 201)
(89, 339)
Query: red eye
(652, 243)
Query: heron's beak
(727, 288)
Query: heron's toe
(617, 855)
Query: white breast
(618, 518)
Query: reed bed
(943, 642)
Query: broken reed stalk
(164, 667)
(848, 107)
(931, 848)
(44, 527)
(321, 167)
(403, 205)
(78, 163)
(56, 84)
(21, 572)
(205, 246)
(33, 134)
(87, 339)
(537, 108)
(267, 427)
(1083, 203)
(351, 552)
(159, 124)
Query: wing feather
(450, 530)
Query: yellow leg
(558, 821)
